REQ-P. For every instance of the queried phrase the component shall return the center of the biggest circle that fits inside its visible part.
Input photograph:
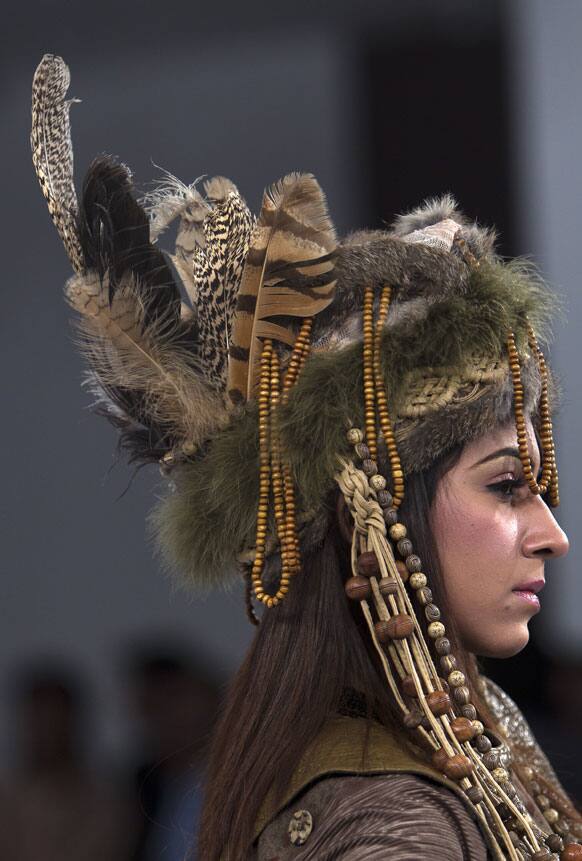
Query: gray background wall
(251, 93)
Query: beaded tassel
(549, 476)
(275, 478)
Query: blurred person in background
(57, 809)
(174, 702)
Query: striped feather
(289, 273)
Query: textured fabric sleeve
(398, 816)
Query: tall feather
(289, 272)
(52, 151)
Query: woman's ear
(344, 519)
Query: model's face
(494, 535)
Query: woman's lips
(528, 592)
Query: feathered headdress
(252, 360)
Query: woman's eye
(507, 488)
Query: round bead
(377, 482)
(474, 794)
(388, 586)
(528, 773)
(417, 580)
(462, 695)
(368, 564)
(571, 852)
(397, 531)
(424, 595)
(362, 450)
(358, 588)
(551, 815)
(436, 630)
(370, 467)
(462, 728)
(404, 547)
(432, 613)
(413, 719)
(555, 842)
(478, 727)
(439, 758)
(448, 663)
(399, 627)
(483, 744)
(541, 855)
(456, 679)
(438, 702)
(408, 686)
(390, 516)
(442, 646)
(355, 435)
(491, 759)
(458, 766)
(384, 498)
(562, 827)
(504, 811)
(469, 711)
(402, 570)
(500, 775)
(543, 801)
(413, 563)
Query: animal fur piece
(52, 152)
(289, 272)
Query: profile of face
(493, 537)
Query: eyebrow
(509, 451)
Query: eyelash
(505, 489)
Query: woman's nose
(544, 537)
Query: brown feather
(52, 152)
(126, 355)
(289, 273)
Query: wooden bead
(571, 852)
(458, 766)
(413, 563)
(417, 580)
(408, 686)
(402, 570)
(377, 482)
(469, 711)
(368, 564)
(551, 815)
(436, 630)
(355, 435)
(384, 498)
(491, 760)
(543, 801)
(432, 613)
(474, 794)
(477, 727)
(483, 744)
(462, 695)
(448, 663)
(413, 719)
(362, 450)
(370, 467)
(399, 627)
(442, 646)
(388, 586)
(456, 679)
(438, 702)
(390, 516)
(424, 595)
(358, 588)
(463, 729)
(500, 775)
(404, 547)
(397, 531)
(541, 855)
(555, 842)
(439, 758)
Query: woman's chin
(505, 646)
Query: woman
(363, 430)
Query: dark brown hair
(306, 653)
